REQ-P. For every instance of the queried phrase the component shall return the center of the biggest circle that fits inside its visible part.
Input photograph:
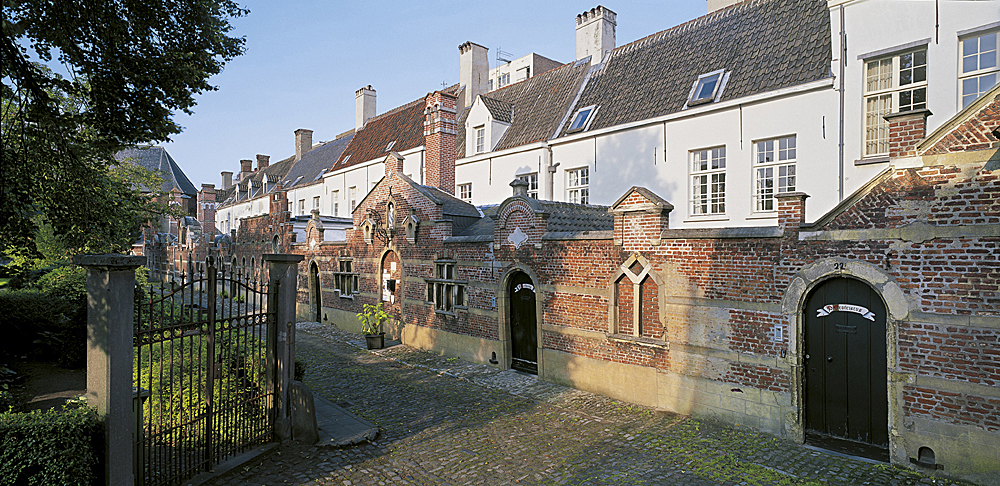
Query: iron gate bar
(209, 386)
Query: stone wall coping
(282, 257)
(112, 260)
(721, 233)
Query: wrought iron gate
(200, 368)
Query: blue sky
(304, 60)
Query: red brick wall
(955, 408)
(976, 133)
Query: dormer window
(389, 147)
(581, 121)
(707, 88)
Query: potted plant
(372, 319)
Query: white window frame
(532, 180)
(694, 99)
(465, 192)
(335, 200)
(773, 171)
(578, 185)
(315, 202)
(302, 206)
(708, 181)
(480, 132)
(885, 92)
(444, 291)
(983, 78)
(353, 193)
(578, 124)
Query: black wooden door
(523, 340)
(846, 394)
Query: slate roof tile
(766, 45)
(539, 104)
(158, 160)
(315, 163)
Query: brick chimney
(393, 163)
(595, 33)
(206, 210)
(439, 138)
(906, 130)
(227, 179)
(714, 5)
(364, 106)
(791, 210)
(246, 168)
(303, 142)
(474, 73)
(263, 161)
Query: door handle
(829, 359)
(807, 356)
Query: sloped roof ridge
(525, 80)
(694, 23)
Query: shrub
(52, 447)
(24, 314)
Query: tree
(131, 65)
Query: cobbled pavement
(444, 421)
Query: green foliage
(52, 447)
(131, 66)
(372, 318)
(24, 315)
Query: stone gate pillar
(283, 271)
(110, 300)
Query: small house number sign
(857, 309)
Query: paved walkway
(448, 422)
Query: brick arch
(503, 313)
(390, 253)
(793, 301)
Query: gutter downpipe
(843, 63)
(551, 168)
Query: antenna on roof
(503, 56)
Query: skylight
(389, 147)
(706, 88)
(580, 121)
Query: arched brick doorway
(391, 292)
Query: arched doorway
(845, 392)
(391, 280)
(523, 329)
(315, 293)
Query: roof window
(389, 147)
(707, 88)
(582, 119)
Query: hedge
(52, 447)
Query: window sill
(763, 215)
(445, 313)
(640, 340)
(707, 217)
(872, 160)
(348, 297)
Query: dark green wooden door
(846, 393)
(523, 340)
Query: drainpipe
(843, 63)
(552, 173)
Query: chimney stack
(303, 142)
(393, 163)
(364, 106)
(263, 161)
(474, 73)
(906, 130)
(227, 179)
(206, 210)
(246, 168)
(595, 33)
(439, 138)
(714, 5)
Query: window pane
(969, 64)
(970, 46)
(988, 42)
(988, 60)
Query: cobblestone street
(445, 421)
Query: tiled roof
(315, 163)
(275, 172)
(450, 205)
(539, 102)
(481, 230)
(403, 125)
(157, 159)
(766, 45)
(501, 111)
(575, 218)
